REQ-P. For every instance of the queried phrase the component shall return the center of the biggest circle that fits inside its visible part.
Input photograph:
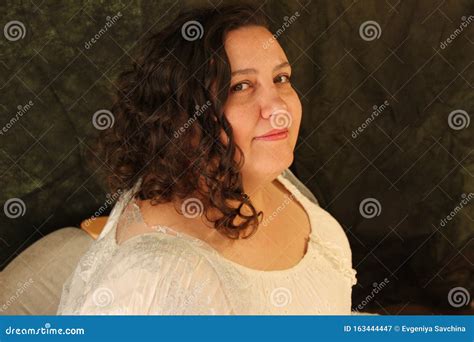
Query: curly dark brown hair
(168, 118)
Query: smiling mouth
(274, 135)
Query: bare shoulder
(167, 215)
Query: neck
(259, 190)
(261, 193)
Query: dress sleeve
(159, 276)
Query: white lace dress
(167, 273)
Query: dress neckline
(164, 231)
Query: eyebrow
(254, 71)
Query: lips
(273, 132)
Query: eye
(283, 76)
(239, 87)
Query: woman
(210, 220)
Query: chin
(278, 155)
(273, 166)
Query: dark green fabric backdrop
(407, 157)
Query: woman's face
(261, 99)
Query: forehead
(253, 47)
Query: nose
(271, 102)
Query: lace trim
(137, 216)
(342, 264)
(234, 281)
(94, 258)
(329, 250)
(92, 265)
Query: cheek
(244, 131)
(243, 121)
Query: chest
(279, 243)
